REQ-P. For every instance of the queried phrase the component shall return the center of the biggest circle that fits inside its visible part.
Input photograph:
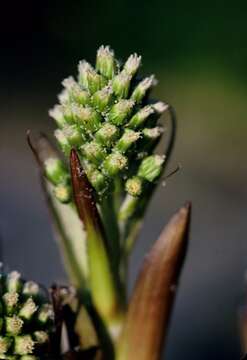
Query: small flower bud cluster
(107, 117)
(26, 319)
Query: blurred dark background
(198, 52)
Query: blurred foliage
(168, 34)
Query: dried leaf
(151, 304)
(84, 197)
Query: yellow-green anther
(62, 141)
(160, 107)
(107, 134)
(95, 81)
(114, 163)
(63, 193)
(83, 69)
(121, 85)
(89, 119)
(41, 337)
(13, 281)
(105, 62)
(132, 64)
(24, 345)
(74, 135)
(140, 117)
(134, 186)
(128, 138)
(151, 167)
(102, 98)
(55, 171)
(10, 300)
(94, 152)
(57, 114)
(28, 309)
(13, 325)
(30, 288)
(5, 344)
(96, 178)
(75, 92)
(45, 314)
(142, 88)
(120, 112)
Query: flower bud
(87, 118)
(5, 344)
(94, 152)
(74, 136)
(24, 345)
(13, 325)
(151, 137)
(120, 112)
(105, 62)
(41, 337)
(132, 64)
(160, 107)
(13, 281)
(128, 138)
(62, 141)
(63, 193)
(45, 314)
(57, 114)
(95, 81)
(28, 309)
(10, 300)
(68, 115)
(30, 288)
(121, 85)
(75, 92)
(55, 171)
(107, 134)
(140, 117)
(114, 163)
(102, 98)
(83, 69)
(134, 186)
(64, 97)
(96, 178)
(151, 167)
(142, 88)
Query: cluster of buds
(26, 319)
(108, 130)
(107, 117)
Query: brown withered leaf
(151, 304)
(84, 196)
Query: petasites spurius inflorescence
(108, 129)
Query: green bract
(26, 318)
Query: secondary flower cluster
(107, 117)
(26, 318)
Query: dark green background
(198, 52)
